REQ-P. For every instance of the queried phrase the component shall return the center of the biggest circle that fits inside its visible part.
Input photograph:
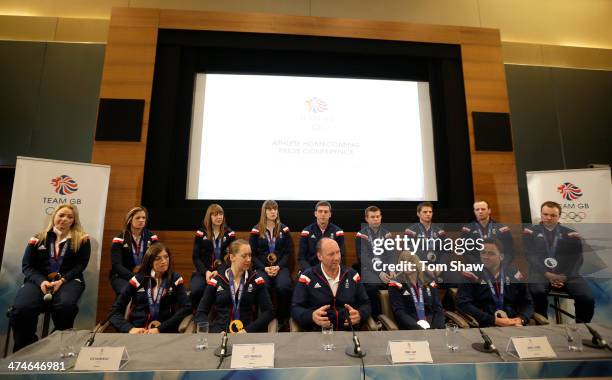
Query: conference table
(299, 356)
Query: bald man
(329, 293)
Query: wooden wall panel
(128, 73)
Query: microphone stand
(223, 350)
(487, 347)
(356, 351)
(597, 341)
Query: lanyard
(552, 248)
(424, 232)
(236, 295)
(56, 258)
(154, 303)
(138, 248)
(419, 305)
(497, 294)
(271, 241)
(217, 243)
(489, 233)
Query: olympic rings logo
(574, 216)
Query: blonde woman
(272, 249)
(209, 250)
(129, 247)
(415, 304)
(242, 302)
(53, 265)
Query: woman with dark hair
(209, 250)
(158, 296)
(53, 265)
(129, 246)
(238, 294)
(415, 304)
(272, 249)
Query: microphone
(48, 294)
(597, 341)
(487, 346)
(92, 337)
(223, 350)
(356, 351)
(53, 276)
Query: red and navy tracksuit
(37, 264)
(204, 256)
(309, 237)
(313, 291)
(125, 253)
(174, 304)
(283, 249)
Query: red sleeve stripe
(212, 282)
(154, 238)
(362, 236)
(117, 240)
(33, 240)
(340, 233)
(304, 280)
(179, 281)
(395, 284)
(254, 231)
(134, 282)
(199, 233)
(259, 281)
(356, 277)
(231, 234)
(305, 233)
(286, 229)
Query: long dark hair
(149, 256)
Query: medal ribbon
(419, 304)
(138, 249)
(498, 291)
(154, 303)
(56, 258)
(236, 295)
(271, 241)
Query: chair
(556, 305)
(44, 333)
(387, 319)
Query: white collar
(59, 233)
(330, 279)
(246, 274)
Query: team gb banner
(40, 186)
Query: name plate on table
(536, 347)
(101, 359)
(408, 351)
(253, 355)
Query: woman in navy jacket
(239, 295)
(209, 250)
(415, 304)
(272, 249)
(53, 264)
(129, 247)
(159, 300)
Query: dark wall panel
(49, 104)
(20, 71)
(560, 120)
(584, 100)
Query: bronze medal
(272, 258)
(154, 325)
